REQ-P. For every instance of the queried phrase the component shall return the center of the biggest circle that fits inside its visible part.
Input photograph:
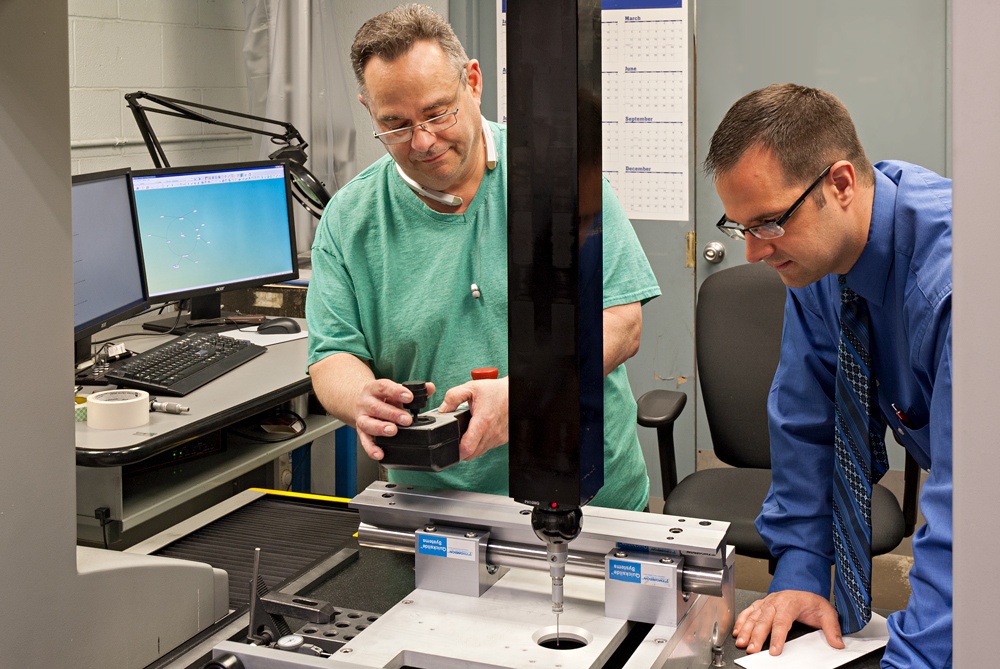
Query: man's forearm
(622, 329)
(337, 381)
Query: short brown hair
(393, 33)
(806, 128)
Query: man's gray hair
(393, 33)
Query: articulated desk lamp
(306, 188)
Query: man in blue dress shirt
(797, 186)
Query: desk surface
(266, 381)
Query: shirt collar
(869, 277)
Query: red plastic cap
(485, 373)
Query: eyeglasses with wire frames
(769, 229)
(434, 124)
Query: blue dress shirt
(904, 273)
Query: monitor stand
(82, 350)
(205, 315)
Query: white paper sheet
(812, 650)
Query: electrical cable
(180, 310)
(176, 303)
(144, 333)
(235, 319)
(103, 516)
(290, 423)
(306, 455)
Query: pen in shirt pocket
(901, 415)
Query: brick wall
(186, 49)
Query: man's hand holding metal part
(488, 404)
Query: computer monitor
(108, 280)
(207, 229)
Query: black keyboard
(184, 364)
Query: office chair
(737, 305)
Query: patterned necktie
(860, 462)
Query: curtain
(295, 73)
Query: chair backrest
(740, 314)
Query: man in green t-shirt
(409, 267)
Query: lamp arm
(146, 130)
(182, 109)
(308, 190)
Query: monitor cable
(305, 457)
(271, 426)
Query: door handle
(714, 252)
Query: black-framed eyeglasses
(769, 229)
(434, 124)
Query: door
(887, 61)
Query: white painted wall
(185, 49)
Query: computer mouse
(279, 326)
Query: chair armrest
(659, 409)
(911, 489)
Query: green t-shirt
(391, 285)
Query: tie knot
(847, 295)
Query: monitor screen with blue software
(108, 283)
(207, 229)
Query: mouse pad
(250, 334)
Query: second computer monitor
(108, 282)
(208, 229)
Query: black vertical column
(554, 252)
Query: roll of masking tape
(117, 409)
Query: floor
(890, 573)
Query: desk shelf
(165, 494)
(139, 503)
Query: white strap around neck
(491, 147)
(448, 198)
